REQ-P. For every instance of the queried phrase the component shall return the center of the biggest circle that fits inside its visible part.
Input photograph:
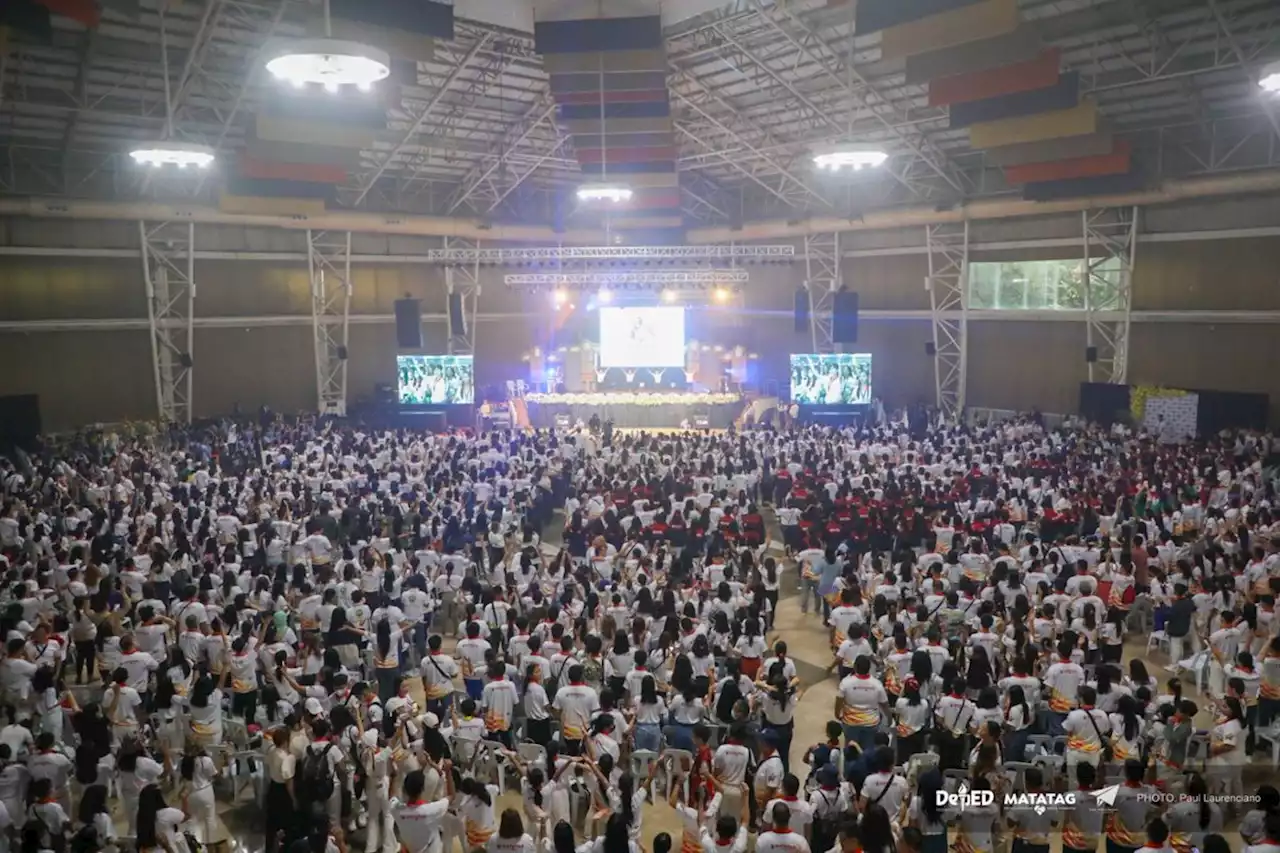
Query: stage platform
(635, 410)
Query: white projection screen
(642, 337)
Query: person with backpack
(316, 787)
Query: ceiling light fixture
(171, 153)
(604, 297)
(329, 62)
(835, 158)
(1270, 79)
(604, 192)
(157, 154)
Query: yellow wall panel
(55, 289)
(1025, 366)
(81, 377)
(1207, 275)
(895, 281)
(986, 19)
(1077, 121)
(1206, 356)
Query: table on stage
(637, 410)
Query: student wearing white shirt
(781, 839)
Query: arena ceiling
(753, 84)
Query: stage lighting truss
(726, 279)
(556, 255)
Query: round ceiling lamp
(172, 153)
(604, 192)
(1270, 79)
(330, 63)
(837, 158)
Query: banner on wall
(1172, 418)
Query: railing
(977, 415)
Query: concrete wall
(96, 375)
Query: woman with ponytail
(1194, 817)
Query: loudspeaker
(408, 324)
(341, 353)
(184, 359)
(930, 348)
(802, 310)
(844, 317)
(1091, 355)
(457, 322)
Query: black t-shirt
(1178, 623)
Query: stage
(635, 410)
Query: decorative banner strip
(1021, 45)
(644, 109)
(423, 17)
(599, 34)
(1052, 150)
(1035, 73)
(27, 17)
(620, 154)
(277, 188)
(618, 125)
(625, 96)
(623, 140)
(317, 173)
(593, 81)
(634, 171)
(972, 23)
(81, 11)
(607, 63)
(289, 152)
(1101, 186)
(1076, 121)
(1060, 96)
(873, 15)
(1116, 162)
(303, 132)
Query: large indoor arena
(629, 426)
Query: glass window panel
(1013, 286)
(982, 285)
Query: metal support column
(462, 279)
(329, 265)
(948, 286)
(1110, 241)
(822, 272)
(168, 270)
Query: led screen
(831, 379)
(642, 337)
(435, 379)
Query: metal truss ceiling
(754, 86)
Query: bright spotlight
(559, 297)
(721, 294)
(604, 297)
(668, 296)
(1270, 79)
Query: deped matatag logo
(964, 798)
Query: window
(1042, 285)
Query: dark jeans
(245, 705)
(784, 734)
(85, 652)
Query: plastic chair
(533, 754)
(1019, 769)
(677, 772)
(1158, 640)
(1272, 736)
(642, 764)
(954, 776)
(1198, 749)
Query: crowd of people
(380, 612)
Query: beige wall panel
(1207, 357)
(249, 288)
(1208, 275)
(74, 289)
(1026, 366)
(80, 377)
(253, 367)
(888, 282)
